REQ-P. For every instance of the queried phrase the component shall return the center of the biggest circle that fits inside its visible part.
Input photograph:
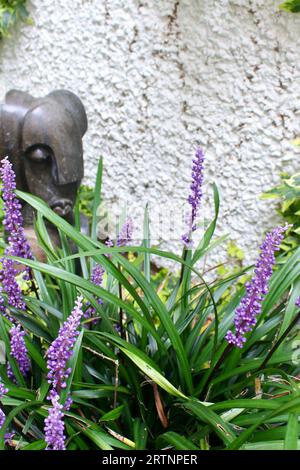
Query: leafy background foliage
(291, 5)
(11, 11)
(288, 194)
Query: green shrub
(291, 6)
(11, 11)
(288, 194)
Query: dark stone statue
(43, 139)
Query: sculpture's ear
(73, 104)
(19, 98)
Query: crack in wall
(134, 38)
(173, 16)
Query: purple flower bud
(256, 289)
(68, 403)
(194, 198)
(109, 243)
(297, 303)
(3, 389)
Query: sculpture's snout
(62, 207)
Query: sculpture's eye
(39, 154)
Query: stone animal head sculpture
(42, 137)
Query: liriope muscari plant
(140, 363)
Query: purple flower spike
(297, 303)
(13, 220)
(97, 275)
(2, 418)
(17, 246)
(17, 243)
(97, 279)
(3, 391)
(125, 235)
(256, 289)
(2, 305)
(18, 351)
(10, 285)
(54, 426)
(61, 350)
(195, 196)
(59, 353)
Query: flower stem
(122, 332)
(216, 368)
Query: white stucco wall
(159, 76)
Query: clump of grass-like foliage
(169, 381)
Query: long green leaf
(292, 432)
(210, 417)
(97, 199)
(177, 441)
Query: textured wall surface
(158, 77)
